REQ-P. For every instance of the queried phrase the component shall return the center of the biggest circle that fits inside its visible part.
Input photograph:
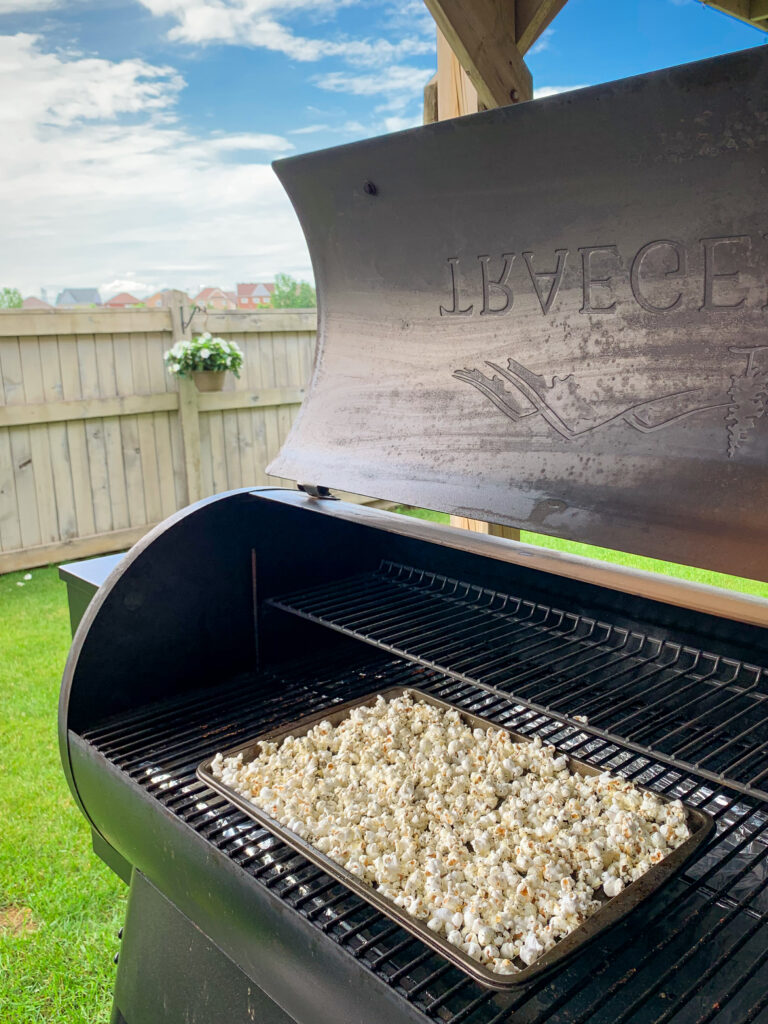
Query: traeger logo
(660, 283)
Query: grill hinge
(317, 491)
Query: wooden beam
(430, 101)
(456, 95)
(25, 322)
(532, 17)
(226, 401)
(86, 409)
(753, 12)
(482, 35)
(69, 550)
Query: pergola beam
(482, 35)
(532, 17)
(753, 12)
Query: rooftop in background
(32, 302)
(79, 297)
(161, 299)
(254, 294)
(121, 300)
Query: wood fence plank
(254, 377)
(149, 466)
(94, 436)
(34, 391)
(282, 345)
(219, 478)
(58, 441)
(245, 431)
(88, 408)
(10, 529)
(158, 380)
(129, 432)
(113, 445)
(67, 551)
(21, 450)
(78, 450)
(271, 432)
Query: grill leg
(169, 971)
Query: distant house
(121, 300)
(32, 302)
(161, 300)
(79, 297)
(251, 296)
(215, 298)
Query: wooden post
(457, 96)
(189, 410)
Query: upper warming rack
(681, 706)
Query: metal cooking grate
(685, 707)
(696, 952)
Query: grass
(685, 572)
(60, 907)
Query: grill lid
(553, 316)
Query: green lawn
(686, 572)
(60, 907)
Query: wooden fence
(98, 442)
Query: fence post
(189, 412)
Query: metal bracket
(185, 323)
(317, 491)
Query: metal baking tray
(699, 823)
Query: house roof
(123, 299)
(32, 302)
(206, 293)
(78, 297)
(246, 291)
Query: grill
(253, 609)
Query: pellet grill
(552, 316)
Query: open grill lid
(553, 316)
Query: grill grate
(685, 707)
(695, 952)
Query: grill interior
(686, 707)
(665, 715)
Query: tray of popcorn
(503, 854)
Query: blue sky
(141, 131)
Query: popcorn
(495, 845)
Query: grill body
(252, 609)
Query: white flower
(175, 367)
(205, 352)
(28, 576)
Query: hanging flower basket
(206, 359)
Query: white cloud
(398, 79)
(399, 124)
(261, 23)
(554, 90)
(542, 43)
(310, 129)
(27, 6)
(102, 181)
(250, 140)
(141, 289)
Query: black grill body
(254, 608)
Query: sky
(138, 134)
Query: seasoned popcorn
(497, 846)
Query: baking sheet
(699, 823)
